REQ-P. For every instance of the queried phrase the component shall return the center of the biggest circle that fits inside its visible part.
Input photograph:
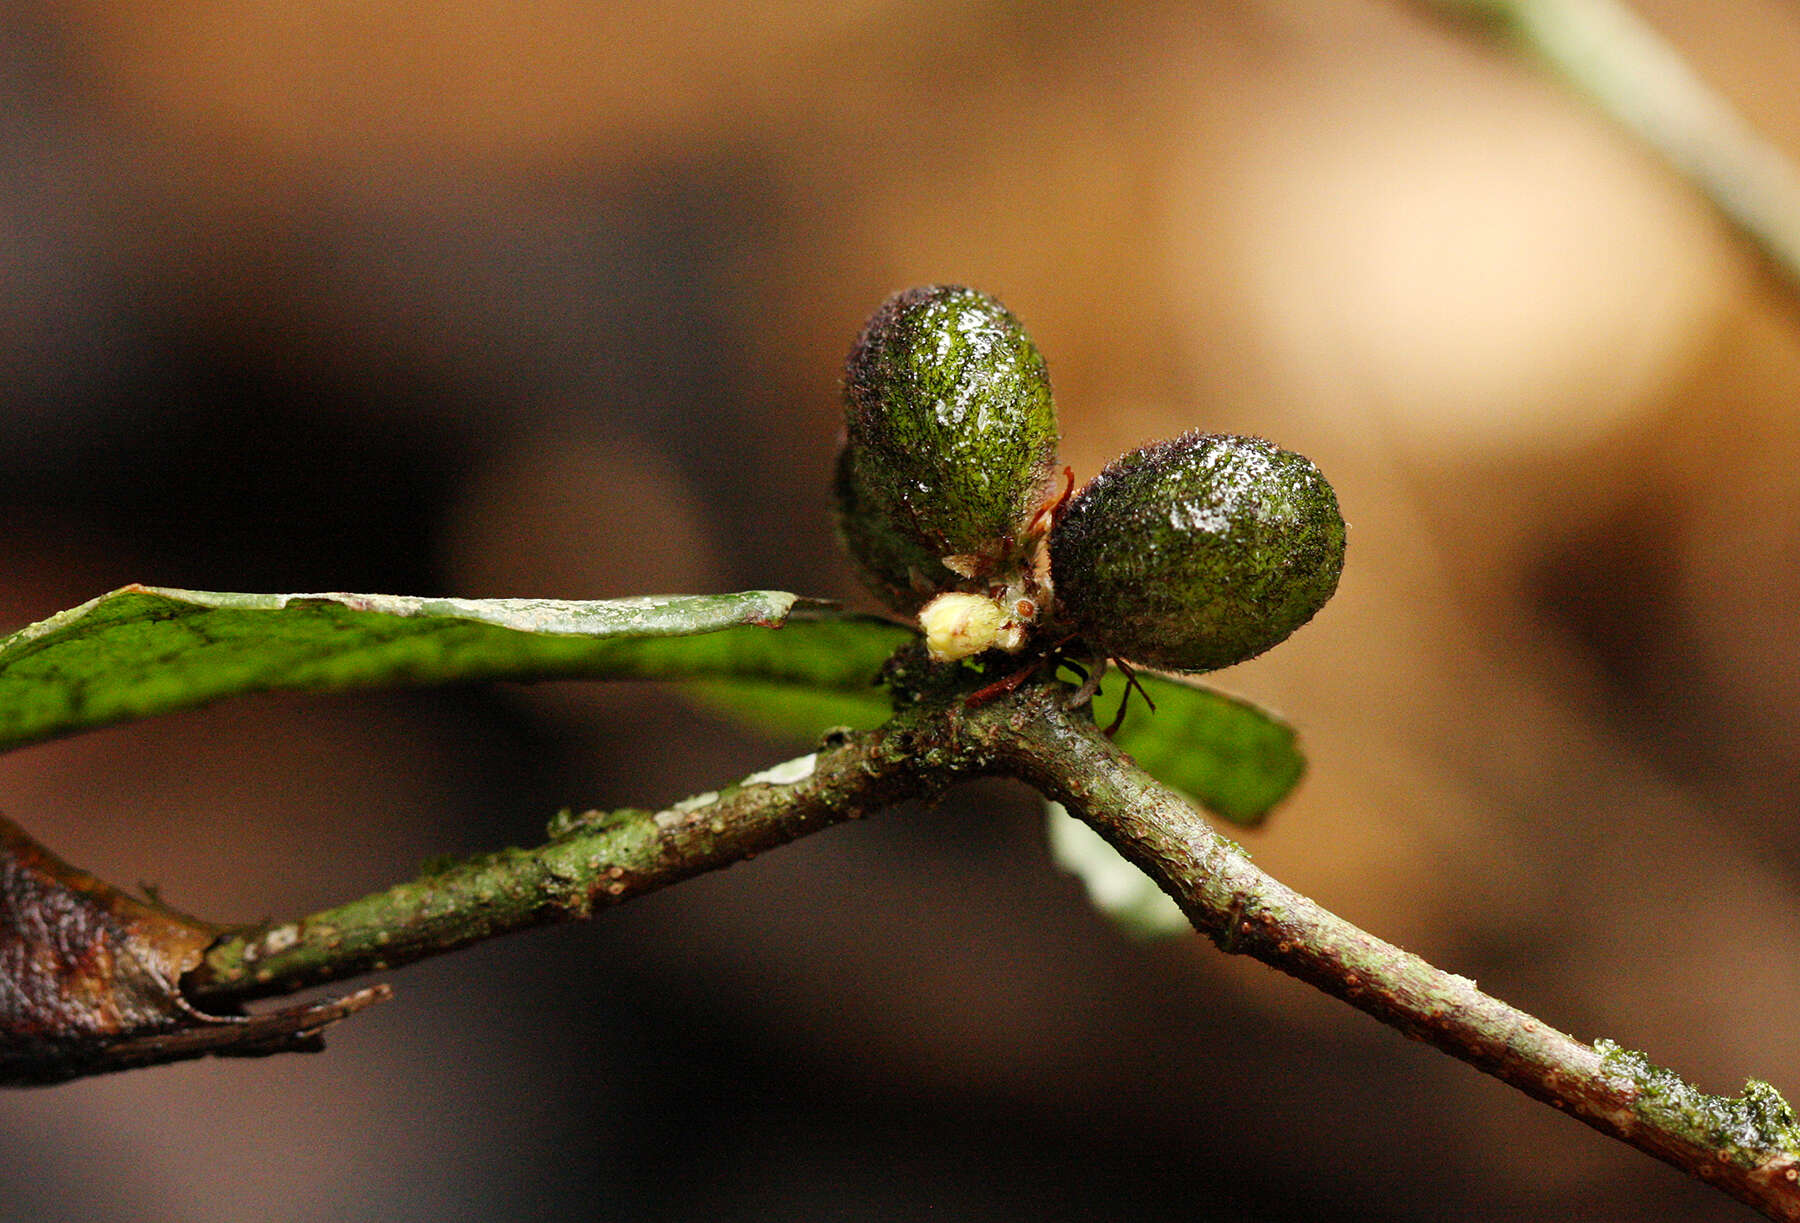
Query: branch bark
(1606, 52)
(1748, 1146)
(591, 862)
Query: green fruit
(1198, 552)
(951, 437)
(891, 562)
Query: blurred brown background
(551, 299)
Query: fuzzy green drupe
(902, 572)
(950, 441)
(1198, 552)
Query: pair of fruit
(1188, 555)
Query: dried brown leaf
(90, 979)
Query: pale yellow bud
(959, 625)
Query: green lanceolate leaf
(1226, 754)
(794, 710)
(142, 651)
(830, 682)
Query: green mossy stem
(938, 739)
(591, 863)
(1741, 1128)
